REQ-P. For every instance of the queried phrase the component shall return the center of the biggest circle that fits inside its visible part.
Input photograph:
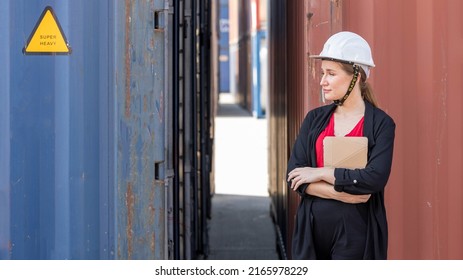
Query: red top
(329, 131)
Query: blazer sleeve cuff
(301, 190)
(342, 179)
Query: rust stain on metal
(145, 103)
(128, 19)
(153, 242)
(336, 2)
(152, 214)
(152, 43)
(130, 203)
(152, 210)
(160, 107)
(119, 254)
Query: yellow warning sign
(47, 36)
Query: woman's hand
(325, 190)
(303, 175)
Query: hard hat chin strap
(339, 102)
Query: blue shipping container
(224, 48)
(82, 134)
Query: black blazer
(379, 128)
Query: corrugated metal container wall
(259, 58)
(301, 90)
(81, 133)
(140, 130)
(416, 47)
(233, 47)
(139, 126)
(278, 152)
(240, 53)
(296, 60)
(263, 14)
(54, 119)
(214, 83)
(224, 47)
(5, 143)
(418, 81)
(193, 90)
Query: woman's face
(335, 81)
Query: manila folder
(345, 152)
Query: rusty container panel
(233, 45)
(308, 22)
(240, 53)
(294, 29)
(277, 119)
(233, 15)
(258, 10)
(294, 90)
(262, 15)
(417, 50)
(139, 121)
(297, 102)
(416, 47)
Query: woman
(341, 214)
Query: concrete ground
(241, 227)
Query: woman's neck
(354, 105)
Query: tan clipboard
(345, 152)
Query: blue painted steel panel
(159, 64)
(224, 72)
(258, 109)
(224, 48)
(82, 146)
(5, 135)
(139, 121)
(54, 117)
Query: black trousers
(339, 229)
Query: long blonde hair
(365, 87)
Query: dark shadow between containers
(227, 107)
(231, 110)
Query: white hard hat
(348, 47)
